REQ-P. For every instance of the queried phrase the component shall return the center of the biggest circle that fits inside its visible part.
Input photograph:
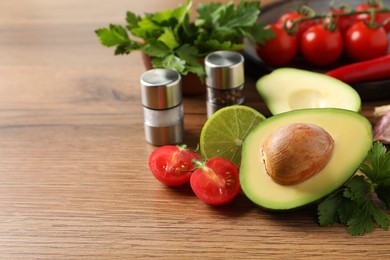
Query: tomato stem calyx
(312, 15)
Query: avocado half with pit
(298, 157)
(288, 89)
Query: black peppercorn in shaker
(225, 79)
(161, 95)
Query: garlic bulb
(382, 129)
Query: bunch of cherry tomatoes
(358, 34)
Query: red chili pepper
(374, 69)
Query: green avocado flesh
(288, 89)
(352, 135)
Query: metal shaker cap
(161, 88)
(224, 69)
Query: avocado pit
(296, 152)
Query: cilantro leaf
(328, 209)
(361, 222)
(347, 210)
(357, 189)
(378, 168)
(355, 204)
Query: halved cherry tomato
(363, 42)
(172, 165)
(321, 46)
(280, 50)
(216, 182)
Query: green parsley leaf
(357, 189)
(113, 35)
(169, 39)
(157, 49)
(328, 209)
(361, 222)
(356, 204)
(347, 210)
(259, 34)
(172, 41)
(188, 53)
(132, 20)
(170, 61)
(379, 167)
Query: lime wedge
(224, 132)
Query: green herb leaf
(116, 35)
(361, 222)
(172, 41)
(355, 204)
(328, 209)
(157, 49)
(189, 54)
(379, 167)
(170, 61)
(169, 39)
(113, 35)
(356, 189)
(132, 20)
(259, 34)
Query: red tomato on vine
(381, 18)
(343, 22)
(363, 42)
(288, 19)
(321, 46)
(280, 50)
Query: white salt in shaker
(161, 95)
(225, 79)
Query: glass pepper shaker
(225, 80)
(161, 95)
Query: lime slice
(225, 130)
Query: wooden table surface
(74, 180)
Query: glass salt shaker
(161, 95)
(225, 80)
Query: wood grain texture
(74, 180)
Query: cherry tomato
(280, 50)
(380, 18)
(288, 19)
(363, 42)
(172, 165)
(321, 46)
(343, 22)
(216, 182)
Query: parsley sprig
(172, 41)
(361, 203)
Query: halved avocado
(352, 136)
(288, 89)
